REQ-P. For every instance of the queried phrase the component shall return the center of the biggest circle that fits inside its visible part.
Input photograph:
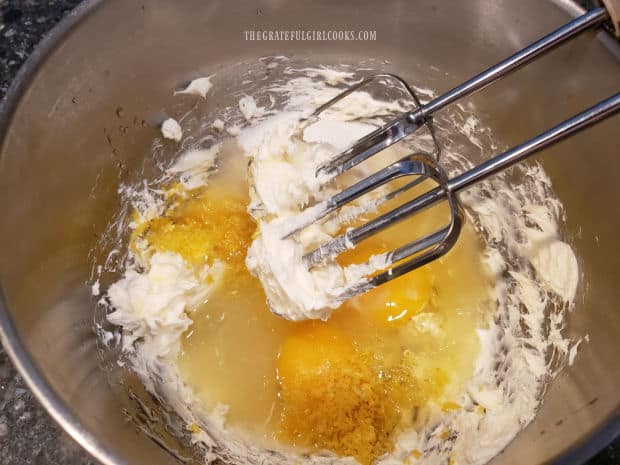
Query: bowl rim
(578, 452)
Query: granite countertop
(28, 436)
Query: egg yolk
(395, 302)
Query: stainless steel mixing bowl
(113, 63)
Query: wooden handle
(613, 8)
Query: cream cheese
(218, 125)
(284, 181)
(200, 87)
(171, 129)
(194, 166)
(249, 108)
(153, 306)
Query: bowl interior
(83, 121)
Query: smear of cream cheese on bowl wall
(406, 372)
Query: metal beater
(423, 166)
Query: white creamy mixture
(171, 129)
(536, 274)
(200, 87)
(283, 179)
(153, 305)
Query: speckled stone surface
(28, 436)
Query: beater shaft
(407, 123)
